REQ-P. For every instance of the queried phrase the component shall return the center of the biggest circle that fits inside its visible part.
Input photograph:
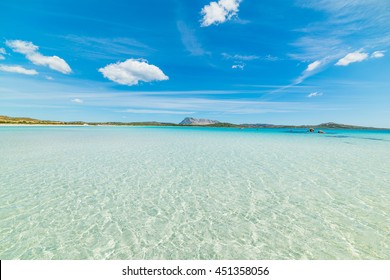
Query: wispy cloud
(334, 37)
(311, 69)
(329, 41)
(219, 12)
(316, 47)
(31, 52)
(32, 91)
(345, 18)
(314, 94)
(17, 69)
(153, 111)
(312, 66)
(132, 71)
(189, 40)
(240, 57)
(77, 100)
(107, 48)
(2, 52)
(270, 57)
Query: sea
(105, 192)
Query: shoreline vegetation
(21, 121)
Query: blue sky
(248, 61)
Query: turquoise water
(193, 193)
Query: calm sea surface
(193, 193)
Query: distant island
(193, 121)
(186, 122)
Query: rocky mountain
(193, 121)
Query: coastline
(316, 128)
(17, 121)
(14, 124)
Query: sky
(238, 61)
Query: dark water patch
(355, 137)
(374, 139)
(296, 131)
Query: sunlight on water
(193, 193)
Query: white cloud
(132, 71)
(31, 52)
(219, 12)
(49, 78)
(352, 58)
(377, 54)
(77, 100)
(22, 47)
(53, 62)
(314, 94)
(18, 69)
(238, 66)
(334, 35)
(313, 66)
(312, 69)
(320, 64)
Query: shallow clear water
(193, 193)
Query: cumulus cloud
(314, 94)
(77, 100)
(219, 12)
(22, 47)
(132, 71)
(352, 58)
(17, 69)
(313, 66)
(238, 66)
(31, 52)
(377, 54)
